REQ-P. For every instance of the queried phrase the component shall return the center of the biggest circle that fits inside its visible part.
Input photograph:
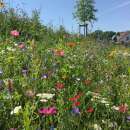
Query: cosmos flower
(16, 110)
(14, 33)
(48, 111)
(21, 45)
(123, 108)
(45, 95)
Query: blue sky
(112, 14)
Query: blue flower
(52, 127)
(75, 110)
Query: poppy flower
(76, 104)
(123, 108)
(59, 85)
(48, 111)
(90, 110)
(75, 98)
(14, 33)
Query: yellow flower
(113, 53)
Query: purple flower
(25, 71)
(128, 118)
(75, 110)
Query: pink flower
(59, 52)
(21, 45)
(48, 111)
(62, 53)
(123, 108)
(14, 33)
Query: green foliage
(85, 11)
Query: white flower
(97, 127)
(43, 100)
(104, 101)
(45, 95)
(16, 110)
(78, 79)
(115, 108)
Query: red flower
(59, 86)
(75, 98)
(90, 110)
(76, 104)
(123, 108)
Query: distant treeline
(102, 35)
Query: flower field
(71, 85)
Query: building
(122, 37)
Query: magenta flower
(48, 111)
(14, 33)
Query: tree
(85, 12)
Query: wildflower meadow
(61, 81)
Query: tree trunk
(86, 30)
